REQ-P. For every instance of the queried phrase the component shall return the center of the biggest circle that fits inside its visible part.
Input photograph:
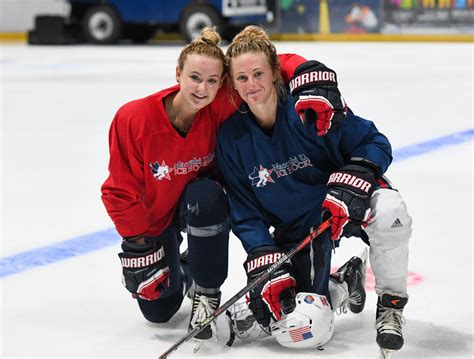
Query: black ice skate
(204, 305)
(353, 273)
(389, 321)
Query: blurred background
(140, 21)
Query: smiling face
(199, 79)
(253, 79)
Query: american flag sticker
(324, 301)
(300, 334)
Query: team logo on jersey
(188, 168)
(260, 177)
(293, 164)
(160, 171)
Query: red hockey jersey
(151, 164)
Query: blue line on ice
(94, 241)
(58, 251)
(421, 148)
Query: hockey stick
(264, 276)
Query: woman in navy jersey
(288, 169)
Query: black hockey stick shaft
(262, 277)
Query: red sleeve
(288, 65)
(123, 189)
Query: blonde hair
(255, 39)
(206, 44)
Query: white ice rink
(61, 295)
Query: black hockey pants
(204, 213)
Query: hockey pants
(203, 213)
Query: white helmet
(309, 326)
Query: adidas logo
(397, 224)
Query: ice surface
(56, 107)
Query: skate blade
(386, 353)
(197, 344)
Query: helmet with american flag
(309, 326)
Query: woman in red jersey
(162, 182)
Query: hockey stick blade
(264, 276)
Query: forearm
(253, 233)
(359, 138)
(126, 211)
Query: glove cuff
(131, 246)
(372, 166)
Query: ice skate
(389, 321)
(353, 273)
(243, 325)
(203, 307)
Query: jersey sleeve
(123, 189)
(248, 220)
(375, 148)
(288, 65)
(358, 137)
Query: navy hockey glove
(348, 198)
(318, 100)
(274, 297)
(144, 268)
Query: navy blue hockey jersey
(280, 179)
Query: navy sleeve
(369, 144)
(357, 137)
(248, 220)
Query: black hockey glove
(318, 100)
(274, 297)
(144, 268)
(348, 198)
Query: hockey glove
(348, 198)
(145, 271)
(274, 297)
(318, 100)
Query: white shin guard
(389, 231)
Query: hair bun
(210, 36)
(250, 33)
